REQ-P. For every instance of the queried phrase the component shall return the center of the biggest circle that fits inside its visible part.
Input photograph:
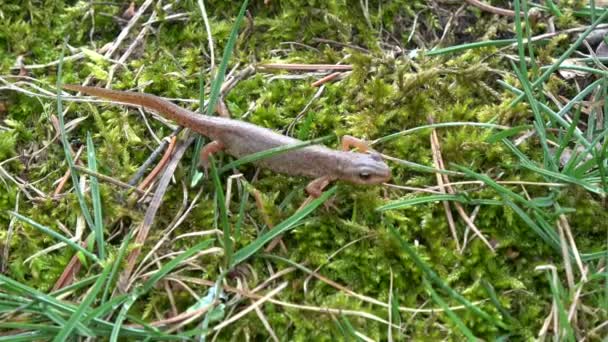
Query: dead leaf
(569, 74)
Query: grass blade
(56, 235)
(221, 203)
(271, 152)
(563, 57)
(463, 47)
(453, 317)
(438, 125)
(117, 262)
(66, 145)
(95, 197)
(151, 282)
(216, 84)
(430, 274)
(83, 307)
(247, 251)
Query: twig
(305, 67)
(125, 31)
(109, 179)
(158, 168)
(201, 5)
(67, 174)
(144, 228)
(231, 81)
(251, 307)
(333, 42)
(75, 57)
(325, 79)
(140, 37)
(438, 160)
(500, 11)
(301, 114)
(458, 206)
(69, 273)
(152, 158)
(9, 237)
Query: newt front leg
(348, 142)
(315, 188)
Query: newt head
(364, 168)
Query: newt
(240, 138)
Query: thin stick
(109, 179)
(251, 307)
(145, 226)
(325, 79)
(306, 67)
(152, 158)
(158, 168)
(67, 173)
(438, 161)
(497, 10)
(201, 5)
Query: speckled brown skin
(239, 138)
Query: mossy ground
(383, 95)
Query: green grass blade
(565, 329)
(539, 123)
(503, 191)
(38, 296)
(451, 315)
(457, 48)
(168, 267)
(461, 198)
(437, 125)
(347, 329)
(507, 133)
(105, 308)
(523, 69)
(122, 251)
(216, 85)
(27, 336)
(83, 307)
(28, 326)
(494, 299)
(75, 286)
(95, 197)
(565, 139)
(545, 75)
(577, 132)
(122, 315)
(247, 251)
(56, 235)
(398, 204)
(241, 215)
(433, 277)
(221, 204)
(195, 175)
(66, 145)
(151, 282)
(272, 152)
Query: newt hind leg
(209, 149)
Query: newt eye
(364, 175)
